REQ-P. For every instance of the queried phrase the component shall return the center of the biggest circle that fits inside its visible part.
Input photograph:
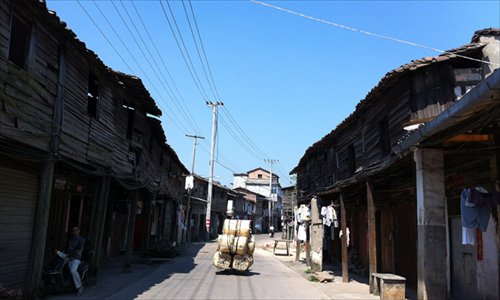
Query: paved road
(194, 277)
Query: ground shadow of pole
(236, 273)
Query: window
(93, 95)
(130, 119)
(259, 176)
(384, 138)
(351, 159)
(19, 41)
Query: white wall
(239, 181)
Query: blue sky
(286, 80)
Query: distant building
(257, 181)
(248, 205)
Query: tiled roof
(131, 81)
(388, 81)
(484, 32)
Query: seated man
(73, 257)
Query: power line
(121, 57)
(167, 88)
(370, 33)
(189, 65)
(163, 63)
(177, 123)
(238, 140)
(105, 37)
(198, 51)
(243, 134)
(245, 140)
(203, 49)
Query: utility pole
(215, 106)
(188, 218)
(270, 162)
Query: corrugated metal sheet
(18, 193)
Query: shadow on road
(237, 273)
(183, 263)
(113, 283)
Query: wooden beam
(470, 138)
(102, 205)
(37, 253)
(343, 226)
(372, 233)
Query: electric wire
(370, 33)
(203, 49)
(105, 37)
(219, 162)
(245, 142)
(178, 123)
(189, 65)
(238, 140)
(233, 121)
(152, 41)
(163, 82)
(123, 60)
(198, 51)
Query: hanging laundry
(468, 236)
(473, 216)
(324, 215)
(479, 197)
(301, 234)
(304, 213)
(331, 215)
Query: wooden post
(134, 196)
(37, 251)
(495, 178)
(147, 227)
(100, 214)
(431, 224)
(297, 249)
(343, 226)
(372, 233)
(308, 243)
(316, 236)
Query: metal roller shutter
(18, 194)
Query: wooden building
(396, 167)
(248, 206)
(198, 209)
(80, 145)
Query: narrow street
(191, 275)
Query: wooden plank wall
(102, 129)
(121, 149)
(21, 118)
(75, 127)
(5, 8)
(28, 97)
